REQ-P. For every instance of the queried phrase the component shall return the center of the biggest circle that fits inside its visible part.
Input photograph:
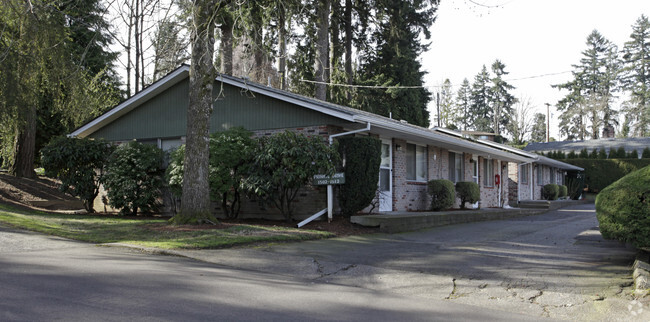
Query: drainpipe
(330, 189)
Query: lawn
(150, 232)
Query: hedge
(362, 157)
(563, 191)
(601, 173)
(623, 209)
(467, 191)
(442, 194)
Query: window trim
(423, 163)
(488, 169)
(523, 177)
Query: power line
(423, 86)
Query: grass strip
(148, 232)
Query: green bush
(572, 155)
(79, 164)
(362, 157)
(633, 154)
(563, 191)
(133, 177)
(231, 154)
(623, 209)
(584, 154)
(467, 192)
(550, 191)
(442, 194)
(646, 153)
(285, 162)
(602, 154)
(601, 173)
(593, 154)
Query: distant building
(629, 144)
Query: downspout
(330, 189)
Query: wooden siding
(165, 115)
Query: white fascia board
(430, 135)
(132, 102)
(289, 99)
(558, 164)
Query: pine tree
(538, 133)
(636, 79)
(588, 102)
(463, 103)
(394, 61)
(448, 114)
(480, 112)
(500, 98)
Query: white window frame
(488, 168)
(419, 162)
(456, 174)
(523, 174)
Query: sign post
(323, 179)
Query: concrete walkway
(402, 221)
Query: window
(540, 175)
(523, 174)
(488, 167)
(552, 175)
(456, 167)
(416, 162)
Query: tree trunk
(282, 60)
(137, 45)
(321, 63)
(348, 46)
(24, 145)
(226, 45)
(195, 204)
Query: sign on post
(323, 179)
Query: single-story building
(609, 144)
(411, 155)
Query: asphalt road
(47, 278)
(553, 265)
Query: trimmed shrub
(442, 194)
(633, 155)
(563, 191)
(572, 155)
(601, 173)
(623, 210)
(79, 164)
(584, 154)
(133, 177)
(602, 154)
(550, 191)
(593, 154)
(362, 157)
(467, 191)
(646, 153)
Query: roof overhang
(134, 101)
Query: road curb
(641, 273)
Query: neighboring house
(411, 155)
(629, 144)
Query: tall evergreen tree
(500, 98)
(394, 62)
(463, 105)
(448, 113)
(480, 113)
(636, 77)
(588, 103)
(538, 133)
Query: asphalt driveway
(551, 265)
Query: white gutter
(330, 189)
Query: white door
(385, 177)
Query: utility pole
(548, 122)
(438, 104)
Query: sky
(538, 41)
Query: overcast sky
(538, 41)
